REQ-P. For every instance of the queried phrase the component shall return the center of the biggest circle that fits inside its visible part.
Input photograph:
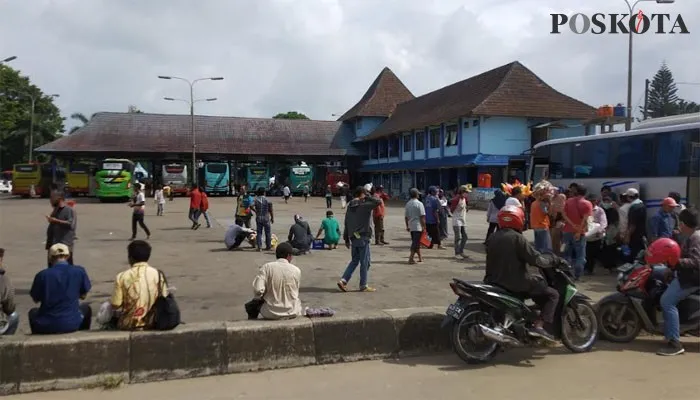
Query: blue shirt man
(432, 206)
(664, 222)
(59, 289)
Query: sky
(320, 56)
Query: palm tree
(79, 117)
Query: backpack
(165, 313)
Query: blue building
(450, 136)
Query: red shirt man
(576, 211)
(195, 204)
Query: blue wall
(367, 126)
(470, 136)
(504, 136)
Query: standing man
(287, 193)
(306, 193)
(195, 204)
(378, 216)
(204, 208)
(576, 212)
(329, 197)
(664, 223)
(138, 206)
(636, 224)
(459, 209)
(62, 223)
(357, 235)
(244, 213)
(432, 217)
(415, 224)
(264, 217)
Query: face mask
(606, 205)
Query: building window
(407, 143)
(383, 148)
(372, 150)
(466, 124)
(451, 136)
(420, 140)
(475, 123)
(358, 124)
(394, 143)
(435, 138)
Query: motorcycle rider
(507, 255)
(683, 275)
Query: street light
(8, 59)
(34, 98)
(628, 120)
(191, 103)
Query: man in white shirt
(138, 206)
(459, 210)
(276, 287)
(236, 234)
(286, 192)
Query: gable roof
(144, 133)
(381, 98)
(511, 90)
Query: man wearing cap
(663, 223)
(636, 224)
(59, 290)
(62, 223)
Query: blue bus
(217, 178)
(258, 177)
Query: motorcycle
(636, 306)
(490, 317)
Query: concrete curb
(100, 359)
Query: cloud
(319, 56)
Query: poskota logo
(638, 23)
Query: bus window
(672, 152)
(633, 156)
(26, 168)
(560, 162)
(216, 168)
(592, 159)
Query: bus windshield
(26, 168)
(174, 169)
(217, 168)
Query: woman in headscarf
(443, 214)
(495, 205)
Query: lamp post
(628, 120)
(34, 98)
(8, 59)
(191, 103)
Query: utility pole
(646, 98)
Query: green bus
(114, 178)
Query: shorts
(287, 197)
(415, 240)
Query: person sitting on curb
(331, 231)
(136, 290)
(59, 290)
(300, 236)
(236, 234)
(276, 288)
(9, 318)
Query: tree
(134, 110)
(80, 117)
(290, 115)
(16, 92)
(663, 99)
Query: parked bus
(39, 176)
(216, 176)
(333, 178)
(175, 175)
(258, 177)
(114, 179)
(78, 179)
(657, 160)
(300, 176)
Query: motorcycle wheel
(624, 332)
(475, 348)
(579, 336)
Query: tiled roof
(511, 90)
(381, 98)
(137, 132)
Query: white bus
(656, 160)
(175, 175)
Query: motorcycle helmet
(511, 217)
(663, 251)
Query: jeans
(11, 324)
(543, 240)
(673, 295)
(160, 209)
(137, 218)
(194, 216)
(206, 218)
(263, 226)
(329, 202)
(360, 256)
(460, 239)
(575, 252)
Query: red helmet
(511, 217)
(663, 251)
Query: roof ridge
(511, 66)
(381, 97)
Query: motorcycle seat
(486, 287)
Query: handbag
(165, 313)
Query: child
(159, 199)
(331, 227)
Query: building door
(538, 135)
(420, 180)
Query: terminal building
(476, 127)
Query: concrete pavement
(611, 372)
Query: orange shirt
(539, 217)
